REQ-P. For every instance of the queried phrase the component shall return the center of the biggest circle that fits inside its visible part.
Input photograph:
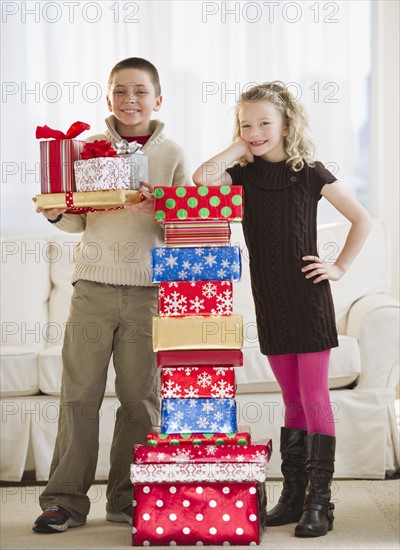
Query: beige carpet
(367, 517)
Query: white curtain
(57, 55)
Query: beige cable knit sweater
(115, 246)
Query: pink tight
(303, 379)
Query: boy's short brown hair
(138, 63)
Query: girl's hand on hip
(321, 270)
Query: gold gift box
(186, 333)
(94, 199)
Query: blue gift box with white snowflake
(196, 264)
(198, 416)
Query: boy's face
(132, 99)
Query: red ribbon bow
(75, 129)
(98, 148)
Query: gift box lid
(199, 357)
(187, 472)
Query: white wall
(385, 144)
(188, 53)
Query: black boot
(317, 518)
(290, 504)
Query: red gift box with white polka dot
(198, 513)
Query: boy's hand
(51, 214)
(244, 151)
(147, 205)
(331, 272)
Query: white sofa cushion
(370, 271)
(256, 375)
(366, 276)
(18, 371)
(16, 417)
(50, 372)
(61, 249)
(25, 289)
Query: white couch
(35, 294)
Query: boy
(116, 293)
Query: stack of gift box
(199, 479)
(86, 177)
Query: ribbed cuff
(58, 218)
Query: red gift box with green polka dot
(222, 202)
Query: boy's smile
(132, 99)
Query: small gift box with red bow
(104, 166)
(57, 156)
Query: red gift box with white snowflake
(198, 382)
(196, 463)
(181, 298)
(190, 514)
(260, 452)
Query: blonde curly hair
(298, 146)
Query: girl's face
(262, 128)
(132, 99)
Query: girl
(274, 161)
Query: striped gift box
(197, 233)
(57, 164)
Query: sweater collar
(156, 128)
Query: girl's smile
(262, 128)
